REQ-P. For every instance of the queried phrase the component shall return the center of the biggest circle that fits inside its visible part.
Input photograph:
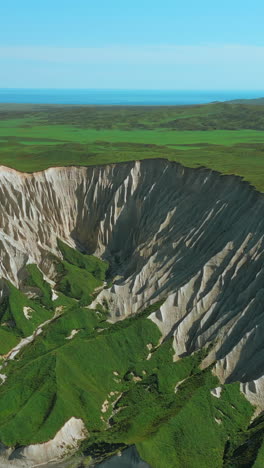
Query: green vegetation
(227, 137)
(8, 340)
(246, 449)
(89, 263)
(78, 274)
(13, 318)
(118, 378)
(193, 437)
(34, 281)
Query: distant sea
(120, 97)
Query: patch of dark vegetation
(244, 449)
(101, 450)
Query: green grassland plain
(227, 137)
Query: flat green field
(222, 136)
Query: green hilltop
(227, 137)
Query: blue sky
(132, 44)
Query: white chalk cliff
(191, 236)
(65, 443)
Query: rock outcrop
(64, 444)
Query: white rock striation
(63, 445)
(192, 236)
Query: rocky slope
(67, 439)
(190, 236)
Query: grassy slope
(55, 378)
(12, 317)
(193, 437)
(225, 137)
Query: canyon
(191, 238)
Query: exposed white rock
(254, 390)
(63, 445)
(105, 406)
(28, 312)
(24, 342)
(216, 392)
(72, 334)
(29, 339)
(3, 378)
(136, 378)
(218, 421)
(54, 295)
(178, 385)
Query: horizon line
(132, 89)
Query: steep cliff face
(193, 237)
